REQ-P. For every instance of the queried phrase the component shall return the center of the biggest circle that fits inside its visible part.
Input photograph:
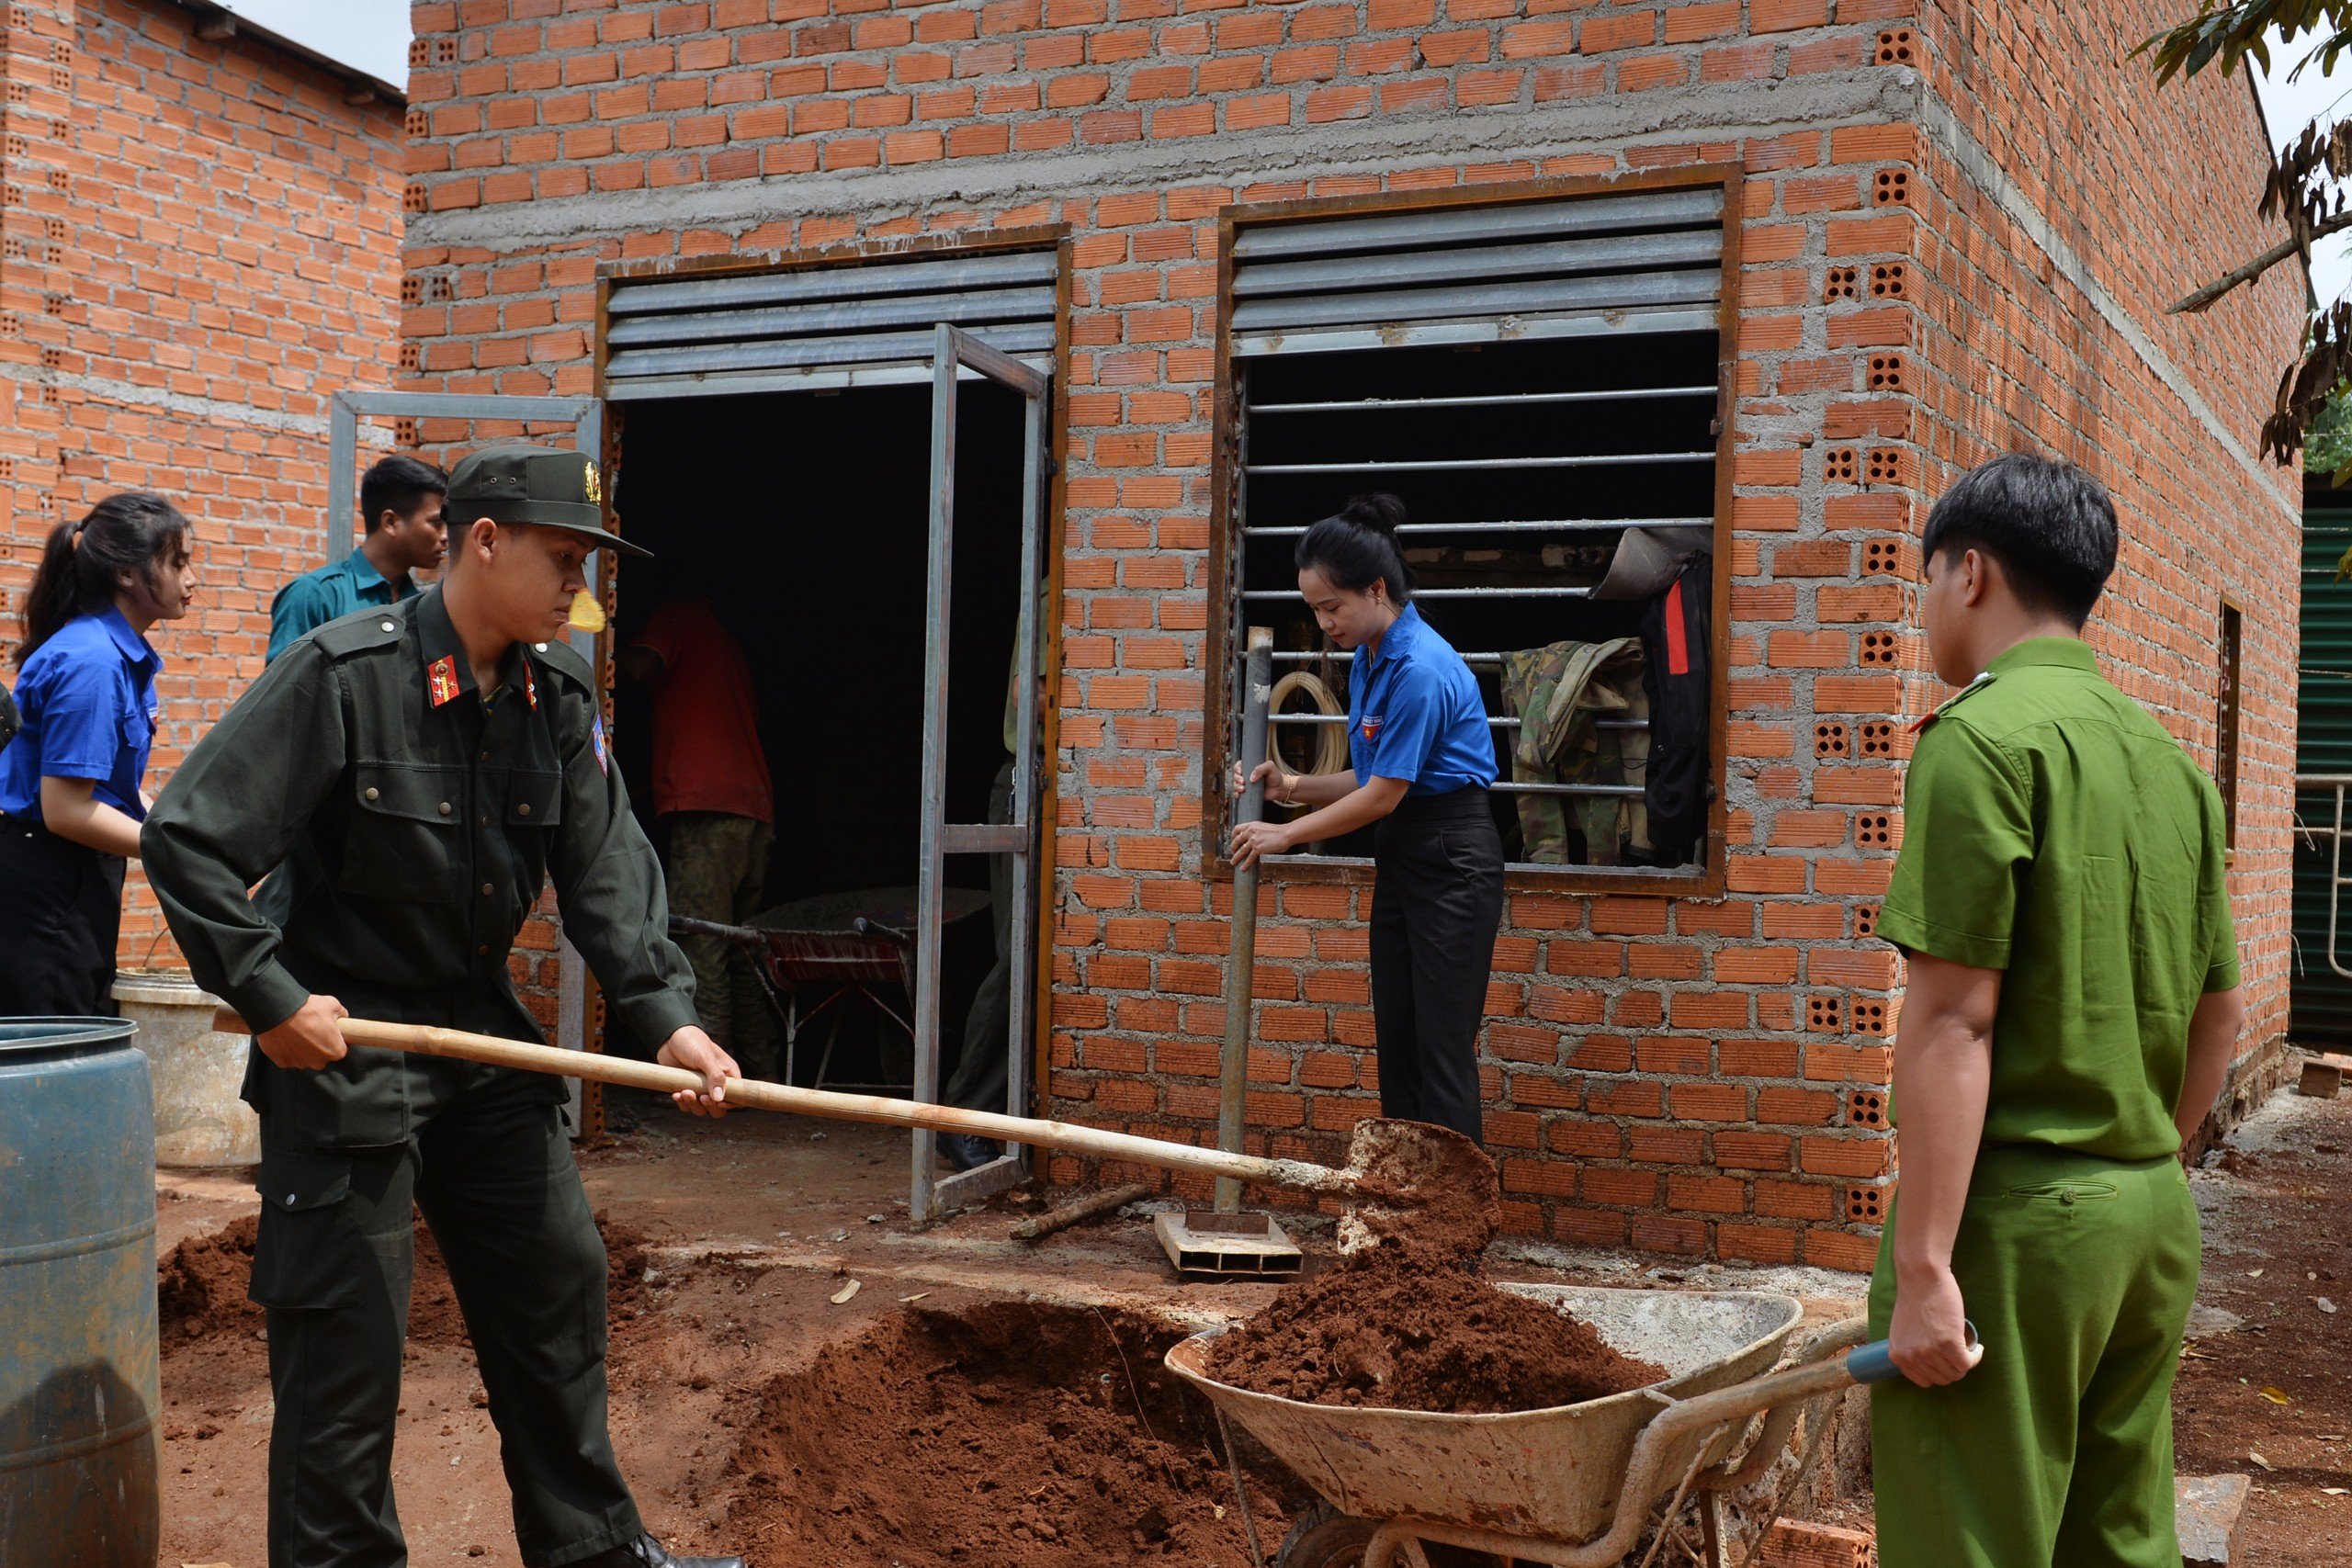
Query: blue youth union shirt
(1413, 713)
(88, 699)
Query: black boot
(647, 1552)
(965, 1152)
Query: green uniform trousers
(2056, 1451)
(493, 1170)
(717, 871)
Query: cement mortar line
(1864, 96)
(1944, 130)
(130, 395)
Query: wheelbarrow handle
(1875, 1362)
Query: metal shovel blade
(1420, 1186)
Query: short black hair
(2048, 523)
(1356, 547)
(396, 484)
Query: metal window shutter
(2319, 1000)
(1645, 262)
(864, 324)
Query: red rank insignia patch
(441, 680)
(530, 687)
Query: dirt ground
(738, 1383)
(2266, 1387)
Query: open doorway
(801, 518)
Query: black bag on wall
(1677, 648)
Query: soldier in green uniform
(417, 774)
(2070, 1009)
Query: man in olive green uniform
(418, 772)
(2070, 1009)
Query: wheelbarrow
(1571, 1486)
(834, 946)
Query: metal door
(586, 417)
(954, 350)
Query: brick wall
(198, 247)
(2050, 330)
(1688, 1077)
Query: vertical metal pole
(571, 969)
(1025, 789)
(935, 758)
(342, 478)
(1241, 946)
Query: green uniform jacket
(406, 825)
(2053, 830)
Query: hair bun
(1380, 512)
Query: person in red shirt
(712, 783)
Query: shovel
(1407, 1181)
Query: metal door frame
(955, 349)
(586, 417)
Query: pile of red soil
(200, 1285)
(1004, 1436)
(1406, 1329)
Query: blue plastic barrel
(78, 1450)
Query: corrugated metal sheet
(1647, 262)
(2321, 1004)
(826, 326)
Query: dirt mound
(1408, 1330)
(1004, 1436)
(201, 1284)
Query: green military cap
(546, 485)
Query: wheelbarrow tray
(1551, 1476)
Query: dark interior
(1636, 423)
(802, 517)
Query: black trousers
(61, 912)
(1435, 910)
(494, 1172)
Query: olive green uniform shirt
(406, 823)
(2051, 830)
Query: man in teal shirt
(400, 506)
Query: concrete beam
(1716, 111)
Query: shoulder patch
(559, 658)
(1953, 700)
(378, 626)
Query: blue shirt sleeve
(300, 608)
(81, 720)
(1407, 731)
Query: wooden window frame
(1706, 881)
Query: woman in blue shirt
(70, 798)
(1422, 757)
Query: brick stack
(1958, 227)
(198, 248)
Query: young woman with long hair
(1423, 757)
(70, 798)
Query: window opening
(2225, 725)
(1546, 410)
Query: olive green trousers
(2056, 1451)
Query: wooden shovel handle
(756, 1095)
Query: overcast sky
(369, 34)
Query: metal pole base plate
(1202, 1240)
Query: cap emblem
(595, 485)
